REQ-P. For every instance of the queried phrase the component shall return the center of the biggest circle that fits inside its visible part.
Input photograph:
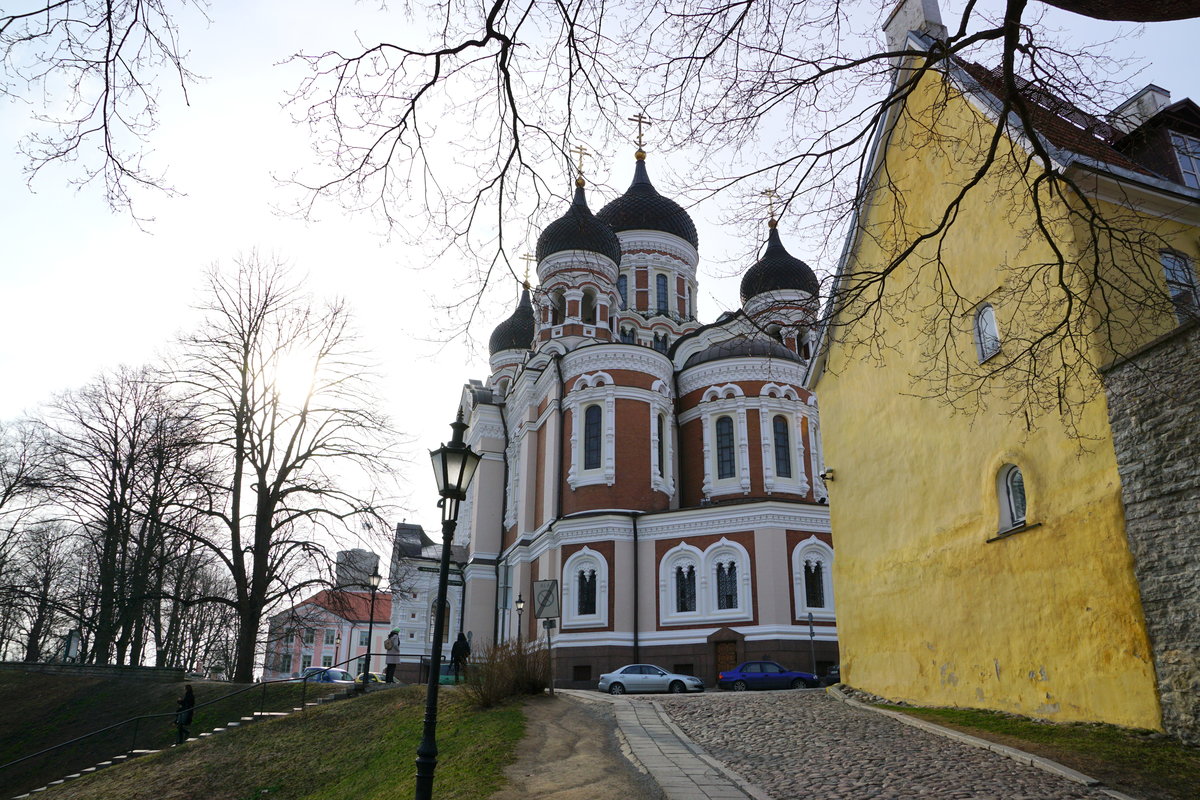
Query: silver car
(648, 678)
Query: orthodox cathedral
(666, 473)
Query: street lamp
(453, 465)
(520, 606)
(374, 579)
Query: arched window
(558, 308)
(586, 592)
(727, 591)
(660, 291)
(783, 447)
(628, 336)
(662, 448)
(814, 583)
(623, 290)
(591, 437)
(660, 342)
(987, 335)
(685, 588)
(1012, 497)
(725, 468)
(588, 308)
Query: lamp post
(520, 606)
(374, 580)
(453, 465)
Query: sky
(83, 289)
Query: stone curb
(1021, 756)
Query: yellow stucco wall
(1045, 622)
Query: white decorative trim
(812, 550)
(604, 396)
(728, 391)
(592, 380)
(585, 559)
(775, 390)
(683, 556)
(617, 356)
(740, 368)
(705, 565)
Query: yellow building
(975, 498)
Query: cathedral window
(685, 588)
(660, 342)
(813, 587)
(586, 596)
(587, 311)
(660, 292)
(783, 447)
(1181, 285)
(558, 308)
(628, 335)
(662, 447)
(591, 437)
(987, 335)
(727, 592)
(1012, 497)
(725, 464)
(623, 290)
(814, 584)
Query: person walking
(392, 656)
(183, 714)
(459, 653)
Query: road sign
(548, 624)
(545, 599)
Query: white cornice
(617, 356)
(741, 368)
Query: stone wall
(1154, 409)
(164, 674)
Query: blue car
(764, 675)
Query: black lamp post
(453, 465)
(520, 606)
(374, 580)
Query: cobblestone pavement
(804, 744)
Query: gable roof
(354, 606)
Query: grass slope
(38, 711)
(361, 749)
(1143, 764)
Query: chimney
(913, 15)
(1139, 108)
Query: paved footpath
(790, 745)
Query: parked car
(326, 675)
(764, 675)
(648, 678)
(372, 677)
(833, 676)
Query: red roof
(354, 606)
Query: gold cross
(770, 194)
(640, 120)
(580, 151)
(528, 259)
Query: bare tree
(284, 389)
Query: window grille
(662, 449)
(814, 583)
(587, 591)
(727, 585)
(783, 447)
(725, 468)
(685, 588)
(591, 437)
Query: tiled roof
(1062, 124)
(354, 606)
(643, 208)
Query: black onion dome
(516, 332)
(735, 348)
(778, 269)
(643, 208)
(578, 229)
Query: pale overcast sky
(83, 290)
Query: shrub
(507, 669)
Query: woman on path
(392, 645)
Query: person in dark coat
(459, 653)
(183, 714)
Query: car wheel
(616, 688)
(798, 683)
(739, 686)
(677, 687)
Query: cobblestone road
(804, 744)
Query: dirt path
(571, 752)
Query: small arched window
(660, 342)
(1012, 497)
(685, 588)
(725, 468)
(660, 291)
(623, 290)
(586, 593)
(783, 447)
(727, 593)
(814, 583)
(558, 308)
(987, 335)
(588, 308)
(591, 437)
(628, 336)
(662, 443)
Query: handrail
(304, 679)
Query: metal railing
(137, 721)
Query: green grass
(1141, 763)
(361, 749)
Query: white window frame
(812, 549)
(660, 405)
(586, 558)
(719, 401)
(726, 550)
(681, 555)
(1004, 497)
(778, 400)
(987, 342)
(593, 389)
(1187, 154)
(1181, 284)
